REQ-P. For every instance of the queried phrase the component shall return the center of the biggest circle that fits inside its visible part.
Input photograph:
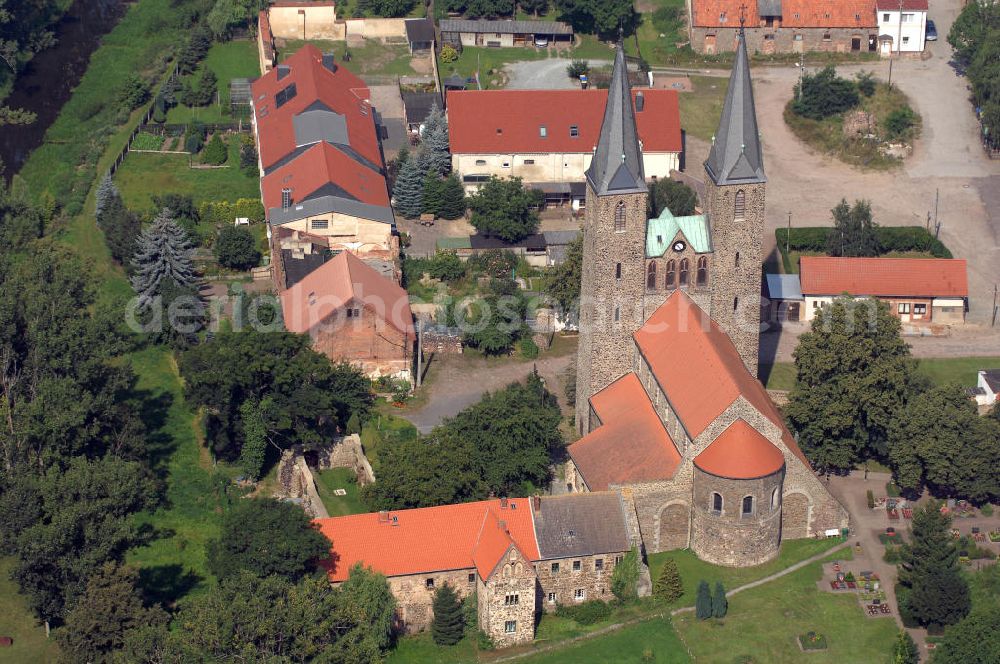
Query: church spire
(617, 164)
(736, 157)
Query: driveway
(547, 74)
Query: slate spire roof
(617, 164)
(736, 156)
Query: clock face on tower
(679, 246)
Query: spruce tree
(163, 252)
(449, 620)
(452, 198)
(905, 651)
(720, 605)
(254, 449)
(669, 586)
(106, 190)
(121, 229)
(409, 191)
(435, 139)
(937, 594)
(433, 193)
(703, 601)
(433, 121)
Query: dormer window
(499, 131)
(574, 131)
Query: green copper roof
(662, 230)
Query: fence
(180, 129)
(135, 131)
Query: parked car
(541, 42)
(931, 31)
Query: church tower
(734, 192)
(614, 249)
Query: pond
(49, 78)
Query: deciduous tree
(823, 94)
(854, 233)
(236, 248)
(562, 282)
(505, 208)
(673, 195)
(601, 17)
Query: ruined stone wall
(507, 601)
(736, 265)
(589, 574)
(348, 453)
(729, 537)
(611, 300)
(785, 40)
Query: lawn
(940, 370)
(375, 58)
(634, 643)
(657, 50)
(16, 621)
(694, 570)
(384, 429)
(764, 622)
(701, 108)
(174, 562)
(339, 478)
(229, 60)
(145, 174)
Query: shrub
(823, 94)
(625, 578)
(899, 122)
(146, 141)
(890, 239)
(159, 109)
(987, 510)
(193, 143)
(496, 263)
(448, 53)
(133, 93)
(527, 348)
(236, 248)
(865, 83)
(215, 152)
(891, 490)
(446, 265)
(870, 497)
(577, 68)
(585, 613)
(668, 19)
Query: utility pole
(994, 323)
(937, 194)
(420, 349)
(788, 235)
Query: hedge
(223, 212)
(890, 238)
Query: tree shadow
(160, 445)
(165, 584)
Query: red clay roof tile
(884, 277)
(475, 116)
(740, 453)
(429, 539)
(794, 13)
(319, 165)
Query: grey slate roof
(419, 30)
(580, 524)
(617, 164)
(327, 204)
(992, 377)
(783, 286)
(736, 157)
(320, 125)
(417, 105)
(296, 269)
(505, 27)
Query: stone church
(668, 404)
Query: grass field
(701, 108)
(657, 50)
(374, 58)
(339, 478)
(145, 174)
(764, 622)
(961, 370)
(30, 645)
(635, 643)
(235, 59)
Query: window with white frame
(552, 598)
(510, 626)
(579, 594)
(511, 599)
(320, 224)
(903, 308)
(908, 18)
(919, 309)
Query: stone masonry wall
(508, 596)
(606, 347)
(736, 265)
(729, 537)
(415, 598)
(367, 342)
(655, 506)
(575, 574)
(783, 40)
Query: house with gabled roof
(520, 556)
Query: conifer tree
(433, 193)
(408, 193)
(669, 586)
(106, 190)
(938, 593)
(163, 253)
(905, 651)
(449, 620)
(121, 229)
(452, 198)
(435, 139)
(720, 605)
(255, 439)
(703, 601)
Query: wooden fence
(147, 116)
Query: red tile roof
(318, 166)
(699, 368)
(474, 116)
(908, 5)
(325, 291)
(794, 13)
(884, 277)
(430, 539)
(341, 91)
(631, 444)
(741, 453)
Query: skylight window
(284, 96)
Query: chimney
(536, 502)
(503, 503)
(395, 520)
(383, 517)
(640, 101)
(503, 526)
(286, 198)
(329, 62)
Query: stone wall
(611, 304)
(785, 40)
(377, 28)
(298, 20)
(729, 537)
(415, 598)
(348, 453)
(657, 505)
(366, 341)
(507, 601)
(736, 265)
(297, 484)
(590, 575)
